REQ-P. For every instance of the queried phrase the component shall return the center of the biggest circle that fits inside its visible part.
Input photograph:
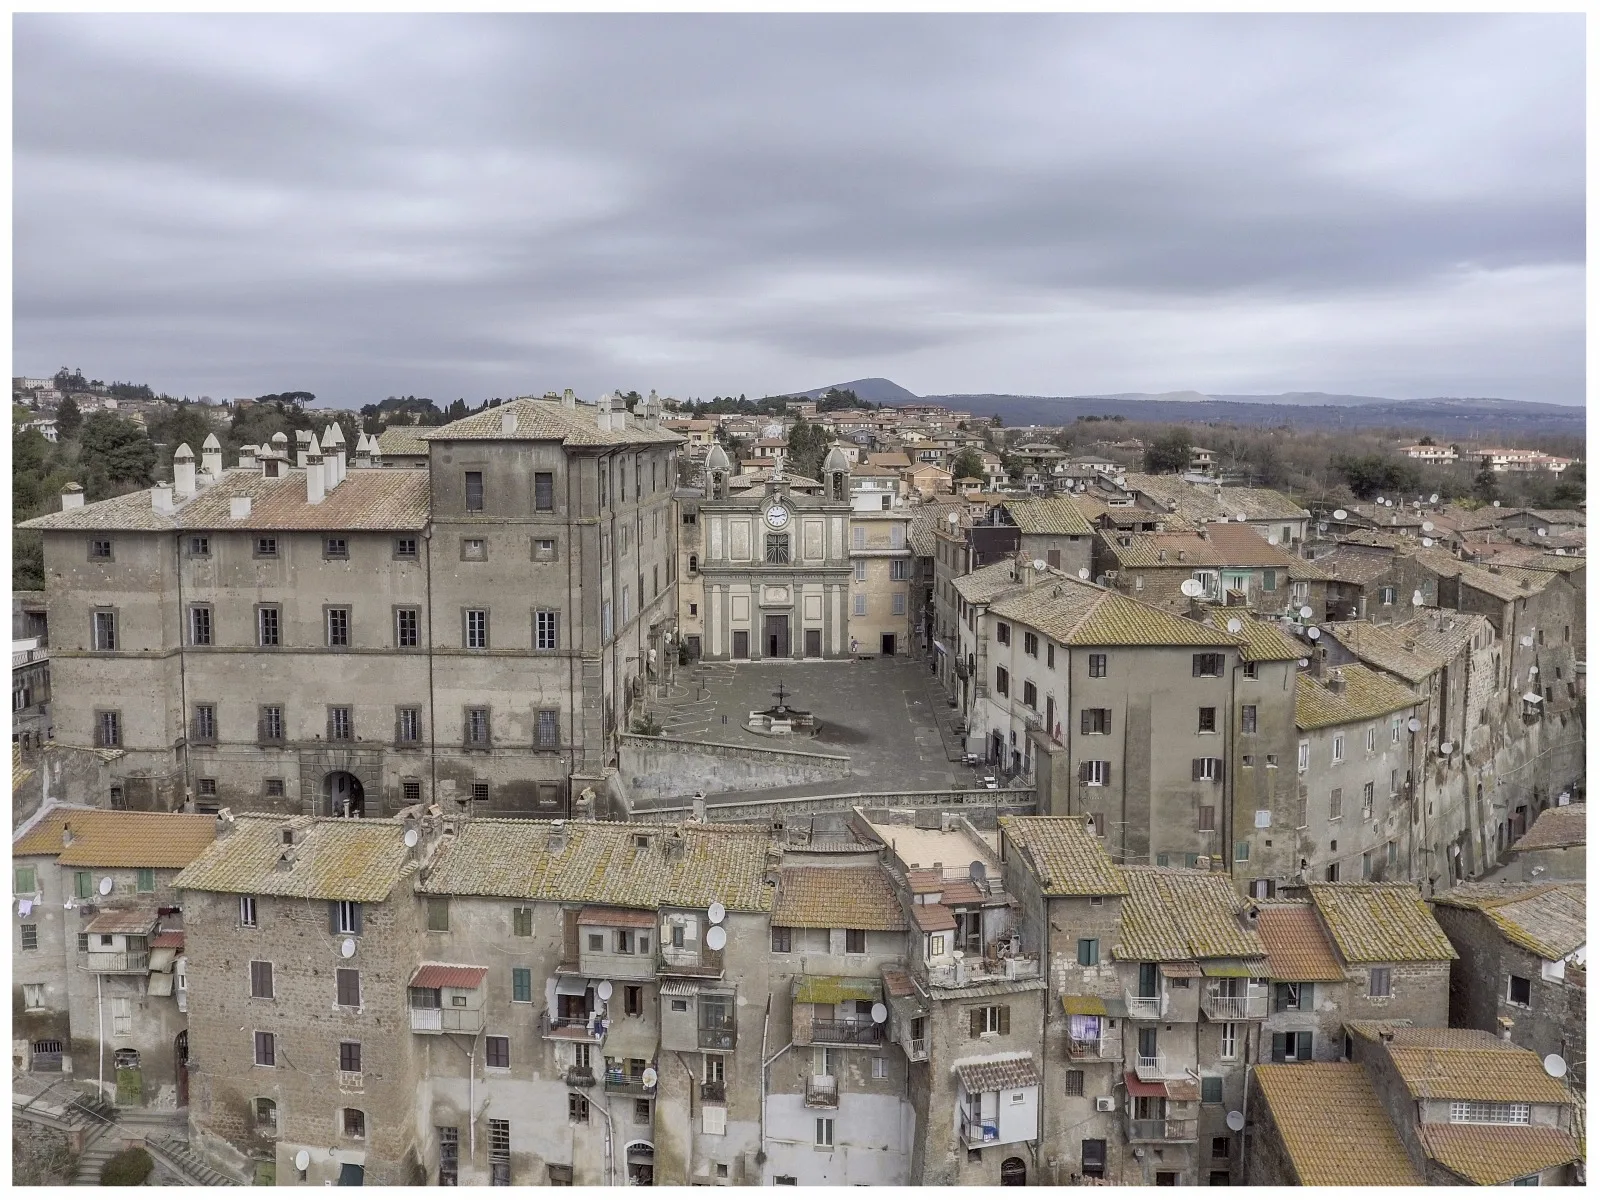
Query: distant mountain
(875, 390)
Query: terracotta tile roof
(402, 439)
(1404, 1033)
(1262, 640)
(1177, 915)
(333, 859)
(1380, 923)
(997, 1074)
(1548, 919)
(982, 585)
(1497, 1072)
(132, 511)
(1075, 613)
(1261, 504)
(1355, 564)
(931, 918)
(1360, 1149)
(602, 864)
(102, 838)
(1162, 550)
(1064, 857)
(618, 918)
(959, 892)
(121, 921)
(1494, 1154)
(1049, 515)
(1565, 564)
(1367, 695)
(440, 975)
(1298, 950)
(1556, 827)
(1173, 493)
(837, 898)
(1503, 583)
(366, 499)
(926, 518)
(898, 982)
(1242, 546)
(167, 939)
(1381, 647)
(549, 420)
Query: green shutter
(521, 984)
(147, 879)
(1241, 852)
(24, 884)
(1278, 1041)
(1211, 1089)
(84, 884)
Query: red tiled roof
(624, 918)
(435, 975)
(931, 918)
(120, 921)
(169, 940)
(1138, 1087)
(898, 982)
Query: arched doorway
(346, 797)
(1013, 1173)
(641, 1158)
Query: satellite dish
(977, 871)
(1427, 527)
(716, 912)
(1542, 532)
(1414, 724)
(1235, 1120)
(1381, 500)
(1497, 504)
(1339, 514)
(1083, 572)
(880, 1014)
(1305, 611)
(1427, 541)
(953, 519)
(716, 937)
(1446, 747)
(1555, 1066)
(1235, 625)
(347, 948)
(603, 989)
(1527, 640)
(302, 1160)
(1272, 539)
(649, 1077)
(1433, 499)
(1039, 564)
(1240, 517)
(1532, 671)
(958, 955)
(1191, 588)
(1417, 599)
(1313, 633)
(410, 838)
(1305, 662)
(106, 885)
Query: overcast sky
(475, 206)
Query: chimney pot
(71, 497)
(161, 497)
(238, 507)
(508, 422)
(315, 486)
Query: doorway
(888, 643)
(180, 1056)
(346, 796)
(1013, 1173)
(813, 643)
(741, 643)
(641, 1164)
(777, 637)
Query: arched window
(266, 1113)
(694, 563)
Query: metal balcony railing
(822, 1091)
(919, 1049)
(621, 1081)
(1105, 1048)
(846, 1033)
(115, 962)
(1220, 1007)
(580, 1077)
(715, 1092)
(975, 1133)
(446, 1020)
(1155, 1067)
(718, 1037)
(1146, 1008)
(1168, 1129)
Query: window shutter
(1278, 1040)
(333, 916)
(1083, 720)
(1308, 997)
(1194, 767)
(975, 1022)
(1216, 770)
(1280, 998)
(1083, 772)
(1005, 1019)
(1211, 1089)
(1195, 665)
(357, 909)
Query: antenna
(716, 937)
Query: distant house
(1437, 455)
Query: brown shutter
(1005, 1019)
(1083, 720)
(569, 935)
(1194, 767)
(975, 1022)
(1083, 772)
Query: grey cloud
(484, 205)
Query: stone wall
(653, 768)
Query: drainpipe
(433, 726)
(183, 664)
(100, 1028)
(766, 1020)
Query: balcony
(683, 961)
(981, 970)
(1101, 1049)
(822, 1091)
(625, 1084)
(715, 1092)
(719, 1036)
(846, 1033)
(115, 962)
(917, 1049)
(571, 1029)
(581, 1077)
(1153, 1068)
(446, 1020)
(975, 1134)
(1146, 1008)
(1249, 1007)
(1167, 1129)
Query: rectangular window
(855, 941)
(1206, 818)
(1050, 655)
(781, 939)
(205, 723)
(474, 550)
(105, 630)
(30, 941)
(1378, 982)
(1094, 720)
(1305, 756)
(266, 1050)
(633, 994)
(1002, 633)
(409, 725)
(100, 549)
(777, 548)
(1030, 694)
(544, 550)
(1338, 748)
(1030, 644)
(346, 916)
(107, 728)
(544, 491)
(1094, 772)
(477, 727)
(335, 547)
(1241, 851)
(1074, 1083)
(474, 490)
(338, 627)
(1002, 681)
(438, 914)
(1336, 804)
(450, 1155)
(144, 879)
(1088, 952)
(1252, 670)
(273, 787)
(522, 922)
(577, 1108)
(341, 728)
(1519, 991)
(355, 1123)
(267, 625)
(266, 547)
(480, 794)
(411, 789)
(247, 911)
(1207, 720)
(1211, 1089)
(200, 625)
(1207, 666)
(83, 884)
(897, 604)
(405, 547)
(206, 786)
(1229, 1044)
(269, 723)
(497, 1051)
(824, 1136)
(407, 626)
(548, 728)
(347, 987)
(475, 629)
(499, 1153)
(860, 603)
(199, 547)
(1097, 666)
(1247, 718)
(1366, 801)
(546, 629)
(900, 568)
(349, 1056)
(1207, 769)
(1477, 1112)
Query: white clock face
(777, 516)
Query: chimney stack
(238, 507)
(557, 841)
(316, 481)
(568, 400)
(247, 458)
(302, 442)
(71, 496)
(508, 423)
(161, 497)
(211, 456)
(183, 471)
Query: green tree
(69, 420)
(1168, 453)
(996, 421)
(1486, 485)
(1569, 491)
(1372, 475)
(118, 455)
(967, 464)
(183, 424)
(807, 446)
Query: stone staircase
(180, 1159)
(98, 1149)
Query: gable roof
(1076, 613)
(837, 898)
(1355, 564)
(1049, 515)
(402, 439)
(984, 584)
(1555, 828)
(1173, 915)
(103, 838)
(1262, 640)
(1492, 1071)
(334, 858)
(602, 863)
(1366, 696)
(1162, 549)
(1297, 946)
(1381, 647)
(1494, 1154)
(928, 517)
(550, 420)
(1360, 1149)
(1548, 919)
(1065, 858)
(1242, 546)
(1380, 923)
